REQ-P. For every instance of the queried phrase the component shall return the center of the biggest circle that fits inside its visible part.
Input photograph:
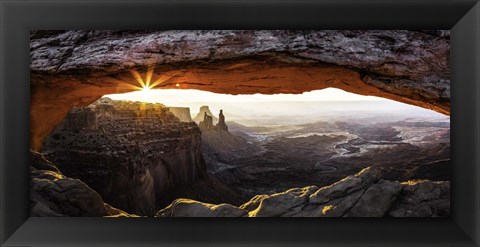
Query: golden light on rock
(326, 209)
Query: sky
(279, 107)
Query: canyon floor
(271, 159)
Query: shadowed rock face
(75, 68)
(54, 194)
(364, 194)
(133, 154)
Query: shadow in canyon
(141, 158)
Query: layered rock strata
(133, 154)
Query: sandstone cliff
(364, 194)
(133, 154)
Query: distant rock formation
(221, 122)
(182, 113)
(208, 125)
(54, 194)
(135, 155)
(364, 194)
(201, 115)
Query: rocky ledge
(364, 194)
(53, 194)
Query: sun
(145, 84)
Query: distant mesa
(207, 123)
(200, 116)
(182, 113)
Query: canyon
(92, 156)
(75, 68)
(135, 155)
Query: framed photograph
(311, 123)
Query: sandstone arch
(74, 68)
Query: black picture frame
(18, 17)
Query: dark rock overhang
(75, 68)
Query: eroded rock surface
(75, 68)
(364, 194)
(190, 208)
(133, 154)
(54, 194)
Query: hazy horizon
(257, 109)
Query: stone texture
(281, 203)
(134, 155)
(364, 194)
(190, 208)
(54, 194)
(75, 68)
(423, 198)
(376, 200)
(346, 186)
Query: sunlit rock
(191, 208)
(365, 195)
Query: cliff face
(133, 154)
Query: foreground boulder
(364, 194)
(53, 194)
(190, 208)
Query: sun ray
(138, 77)
(148, 78)
(161, 80)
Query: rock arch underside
(75, 68)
